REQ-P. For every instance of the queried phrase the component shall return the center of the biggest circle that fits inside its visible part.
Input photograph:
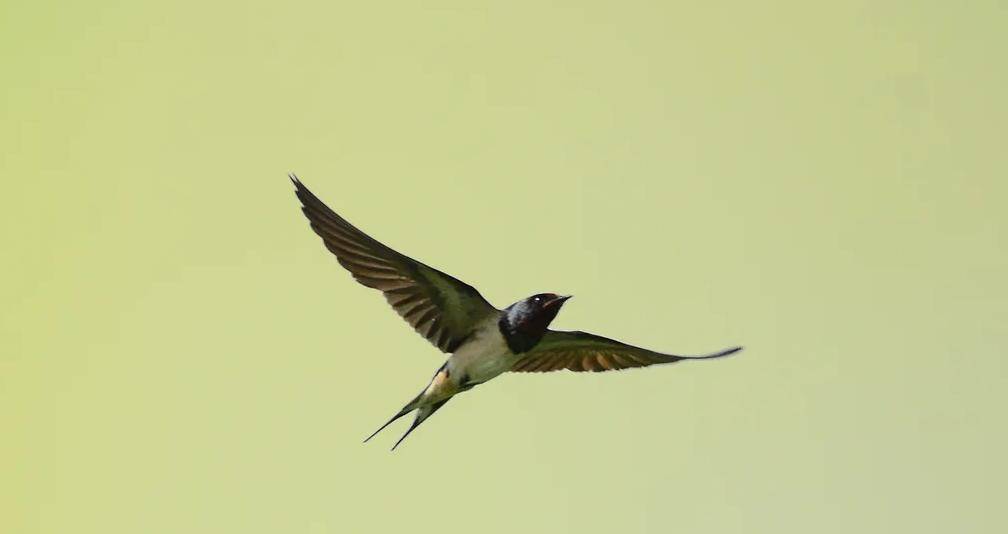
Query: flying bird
(482, 341)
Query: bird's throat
(520, 336)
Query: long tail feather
(401, 413)
(410, 406)
(421, 416)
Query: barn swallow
(481, 340)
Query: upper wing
(581, 351)
(441, 308)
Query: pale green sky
(823, 183)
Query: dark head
(524, 323)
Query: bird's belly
(481, 359)
(484, 368)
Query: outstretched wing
(441, 308)
(581, 351)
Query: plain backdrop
(823, 183)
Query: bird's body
(485, 355)
(482, 341)
(480, 358)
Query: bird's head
(524, 323)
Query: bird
(481, 340)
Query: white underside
(482, 357)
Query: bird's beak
(560, 299)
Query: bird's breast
(482, 357)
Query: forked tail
(410, 406)
(423, 412)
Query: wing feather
(441, 308)
(581, 351)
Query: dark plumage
(438, 306)
(524, 323)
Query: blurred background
(823, 183)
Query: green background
(823, 183)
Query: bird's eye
(537, 299)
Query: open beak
(560, 299)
